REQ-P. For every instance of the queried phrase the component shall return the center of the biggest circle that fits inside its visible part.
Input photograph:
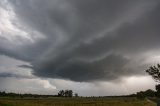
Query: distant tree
(149, 93)
(65, 93)
(2, 93)
(76, 94)
(140, 95)
(70, 93)
(61, 93)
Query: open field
(119, 101)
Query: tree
(149, 93)
(68, 93)
(76, 94)
(140, 95)
(61, 93)
(158, 90)
(154, 71)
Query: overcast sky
(90, 46)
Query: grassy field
(75, 102)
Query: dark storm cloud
(79, 70)
(86, 40)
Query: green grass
(119, 101)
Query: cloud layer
(81, 40)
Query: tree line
(61, 93)
(13, 95)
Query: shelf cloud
(83, 41)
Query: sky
(94, 47)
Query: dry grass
(75, 102)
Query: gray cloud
(109, 67)
(25, 66)
(84, 40)
(13, 75)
